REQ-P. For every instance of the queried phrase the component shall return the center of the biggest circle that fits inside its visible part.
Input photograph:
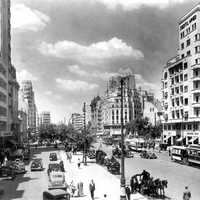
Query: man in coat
(92, 189)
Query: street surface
(177, 175)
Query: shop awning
(193, 139)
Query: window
(172, 81)
(181, 77)
(186, 101)
(182, 46)
(181, 100)
(182, 56)
(173, 102)
(165, 75)
(2, 70)
(3, 126)
(188, 42)
(185, 65)
(3, 111)
(195, 126)
(185, 88)
(189, 126)
(197, 61)
(165, 84)
(197, 37)
(188, 53)
(181, 88)
(181, 112)
(185, 77)
(173, 116)
(194, 26)
(177, 79)
(3, 83)
(172, 91)
(177, 101)
(184, 127)
(197, 99)
(197, 49)
(177, 114)
(177, 90)
(169, 127)
(166, 95)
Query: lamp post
(122, 180)
(84, 148)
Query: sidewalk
(105, 182)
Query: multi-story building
(106, 110)
(45, 119)
(9, 124)
(28, 93)
(77, 121)
(181, 84)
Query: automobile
(37, 165)
(18, 166)
(7, 171)
(152, 155)
(56, 180)
(92, 154)
(55, 166)
(148, 155)
(53, 157)
(56, 194)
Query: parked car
(55, 166)
(7, 171)
(56, 180)
(37, 165)
(53, 157)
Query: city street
(29, 186)
(177, 175)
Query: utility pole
(122, 180)
(84, 148)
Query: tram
(136, 144)
(187, 155)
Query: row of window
(188, 41)
(193, 18)
(179, 78)
(178, 114)
(188, 53)
(3, 111)
(183, 127)
(178, 90)
(2, 70)
(177, 101)
(188, 30)
(178, 69)
(2, 97)
(3, 83)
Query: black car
(53, 157)
(7, 171)
(54, 166)
(37, 165)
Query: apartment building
(45, 119)
(77, 121)
(28, 93)
(181, 84)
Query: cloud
(24, 18)
(75, 69)
(25, 75)
(48, 92)
(135, 4)
(96, 52)
(75, 85)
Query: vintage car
(55, 166)
(18, 166)
(56, 180)
(148, 155)
(53, 157)
(37, 165)
(7, 171)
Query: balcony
(195, 104)
(196, 66)
(196, 78)
(196, 90)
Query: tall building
(45, 119)
(28, 93)
(9, 124)
(77, 121)
(181, 84)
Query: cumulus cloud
(96, 52)
(135, 4)
(24, 18)
(25, 75)
(74, 85)
(75, 69)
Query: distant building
(77, 121)
(45, 119)
(28, 93)
(181, 85)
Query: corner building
(181, 85)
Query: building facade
(28, 94)
(45, 119)
(77, 121)
(9, 123)
(181, 84)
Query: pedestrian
(70, 156)
(186, 194)
(92, 189)
(80, 189)
(73, 188)
(79, 163)
(128, 192)
(105, 196)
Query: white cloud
(96, 52)
(74, 85)
(24, 18)
(75, 69)
(48, 92)
(135, 4)
(25, 75)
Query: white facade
(181, 85)
(77, 121)
(45, 119)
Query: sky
(70, 48)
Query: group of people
(78, 190)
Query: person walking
(92, 189)
(128, 192)
(70, 157)
(73, 188)
(186, 194)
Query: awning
(179, 139)
(193, 139)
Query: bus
(187, 155)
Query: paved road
(178, 175)
(29, 186)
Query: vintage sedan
(56, 180)
(18, 166)
(37, 165)
(53, 157)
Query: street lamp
(122, 180)
(84, 142)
